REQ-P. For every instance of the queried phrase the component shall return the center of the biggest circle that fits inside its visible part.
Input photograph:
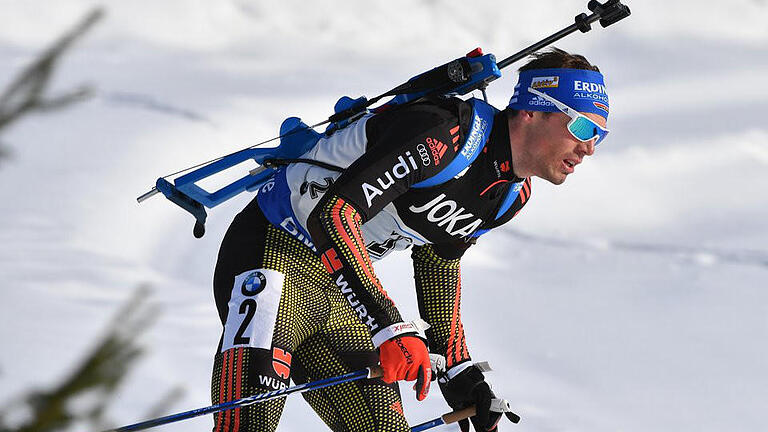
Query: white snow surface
(631, 298)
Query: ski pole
(451, 417)
(455, 416)
(371, 372)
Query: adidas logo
(437, 148)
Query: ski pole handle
(375, 372)
(455, 416)
(451, 417)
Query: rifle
(474, 71)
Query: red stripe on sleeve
(353, 222)
(350, 223)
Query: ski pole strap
(503, 406)
(418, 326)
(371, 372)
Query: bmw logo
(254, 283)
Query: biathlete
(294, 284)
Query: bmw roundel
(254, 283)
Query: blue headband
(583, 90)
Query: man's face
(552, 151)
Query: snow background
(631, 298)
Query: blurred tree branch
(84, 395)
(25, 93)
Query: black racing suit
(313, 233)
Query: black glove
(469, 388)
